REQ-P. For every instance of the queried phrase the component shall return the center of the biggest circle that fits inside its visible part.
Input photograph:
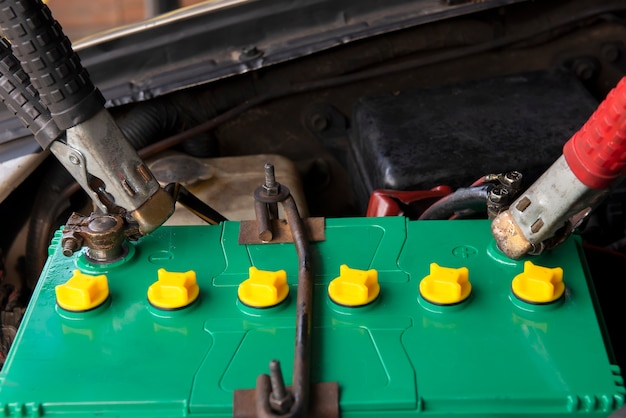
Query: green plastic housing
(399, 356)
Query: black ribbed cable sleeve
(46, 55)
(21, 98)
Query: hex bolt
(271, 186)
(70, 246)
(280, 398)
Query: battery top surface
(399, 355)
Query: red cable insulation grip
(596, 154)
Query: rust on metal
(270, 398)
(509, 237)
(281, 233)
(103, 235)
(324, 402)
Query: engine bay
(424, 133)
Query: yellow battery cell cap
(354, 287)
(82, 292)
(445, 285)
(263, 289)
(537, 284)
(173, 290)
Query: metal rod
(304, 305)
(263, 221)
(300, 387)
(196, 206)
(273, 210)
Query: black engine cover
(455, 134)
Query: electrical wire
(604, 250)
(472, 198)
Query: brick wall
(80, 18)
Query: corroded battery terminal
(593, 160)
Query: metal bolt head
(498, 194)
(281, 406)
(512, 179)
(280, 399)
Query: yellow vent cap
(82, 292)
(537, 284)
(445, 285)
(263, 289)
(354, 287)
(173, 290)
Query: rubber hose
(148, 122)
(202, 146)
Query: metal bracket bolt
(271, 186)
(281, 399)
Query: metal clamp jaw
(46, 86)
(593, 160)
(545, 214)
(98, 156)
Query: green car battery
(410, 318)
